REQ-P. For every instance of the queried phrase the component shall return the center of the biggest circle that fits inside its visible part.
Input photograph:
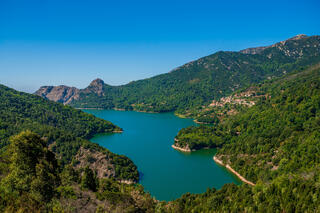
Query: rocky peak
(96, 86)
(97, 82)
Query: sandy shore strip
(181, 149)
(233, 171)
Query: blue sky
(54, 42)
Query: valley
(256, 113)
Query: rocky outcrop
(96, 86)
(97, 161)
(62, 94)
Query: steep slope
(199, 82)
(66, 131)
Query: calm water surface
(165, 172)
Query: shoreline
(118, 109)
(91, 108)
(181, 149)
(218, 161)
(124, 110)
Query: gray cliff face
(62, 94)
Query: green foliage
(274, 143)
(32, 184)
(117, 194)
(200, 137)
(65, 129)
(284, 194)
(89, 180)
(124, 168)
(66, 192)
(33, 172)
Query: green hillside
(199, 82)
(274, 144)
(32, 181)
(63, 128)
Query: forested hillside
(274, 144)
(32, 181)
(63, 128)
(199, 82)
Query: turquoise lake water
(165, 172)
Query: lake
(165, 172)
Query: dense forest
(274, 144)
(65, 129)
(199, 82)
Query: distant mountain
(196, 83)
(61, 94)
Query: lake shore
(143, 134)
(218, 161)
(181, 149)
(92, 108)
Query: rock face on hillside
(62, 94)
(97, 161)
(96, 86)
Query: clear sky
(72, 42)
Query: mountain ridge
(257, 50)
(198, 82)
